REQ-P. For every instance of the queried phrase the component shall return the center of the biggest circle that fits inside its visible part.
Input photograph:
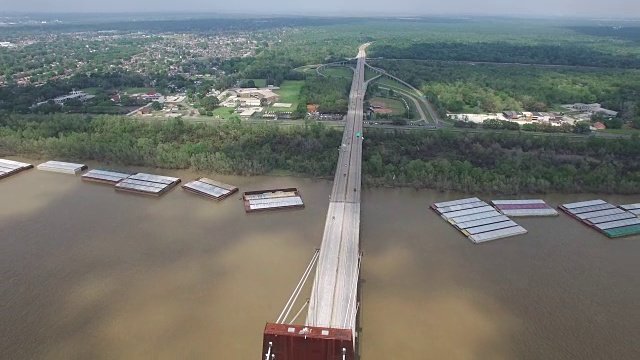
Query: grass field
(223, 113)
(395, 84)
(307, 69)
(369, 74)
(338, 72)
(289, 93)
(395, 105)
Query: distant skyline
(523, 8)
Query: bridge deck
(333, 299)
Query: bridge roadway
(333, 298)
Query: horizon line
(373, 15)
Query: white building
(153, 96)
(249, 102)
(79, 95)
(594, 108)
(264, 93)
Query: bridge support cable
(349, 317)
(296, 292)
(299, 312)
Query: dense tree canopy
(331, 94)
(503, 52)
(488, 162)
(495, 88)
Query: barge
(274, 199)
(478, 221)
(10, 167)
(210, 188)
(147, 184)
(62, 167)
(105, 176)
(612, 221)
(632, 208)
(516, 208)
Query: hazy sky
(567, 8)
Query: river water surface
(88, 273)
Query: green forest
(331, 94)
(503, 52)
(494, 88)
(501, 163)
(498, 163)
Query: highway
(333, 301)
(411, 97)
(432, 113)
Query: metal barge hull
(298, 342)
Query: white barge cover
(270, 195)
(498, 234)
(106, 175)
(518, 202)
(591, 208)
(275, 203)
(456, 202)
(529, 212)
(594, 214)
(618, 224)
(61, 167)
(583, 204)
(167, 180)
(473, 223)
(461, 207)
(130, 184)
(147, 183)
(484, 215)
(10, 167)
(476, 210)
(631, 206)
(609, 218)
(490, 227)
(210, 188)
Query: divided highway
(333, 301)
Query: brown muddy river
(88, 273)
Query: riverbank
(474, 163)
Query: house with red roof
(599, 126)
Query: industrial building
(77, 95)
(594, 108)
